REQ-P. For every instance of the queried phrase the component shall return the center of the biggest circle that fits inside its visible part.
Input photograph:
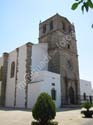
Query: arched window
(63, 26)
(51, 25)
(44, 28)
(53, 94)
(84, 96)
(12, 69)
(66, 27)
(1, 73)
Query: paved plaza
(24, 117)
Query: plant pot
(88, 114)
(49, 123)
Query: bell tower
(59, 33)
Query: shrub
(87, 105)
(44, 109)
(88, 113)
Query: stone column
(4, 79)
(17, 51)
(28, 70)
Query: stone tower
(59, 33)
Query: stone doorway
(71, 96)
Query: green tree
(85, 5)
(44, 109)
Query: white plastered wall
(85, 87)
(1, 64)
(10, 85)
(44, 84)
(47, 87)
(20, 90)
(39, 57)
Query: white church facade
(50, 66)
(21, 90)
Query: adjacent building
(86, 92)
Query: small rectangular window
(68, 46)
(53, 84)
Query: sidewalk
(24, 117)
(72, 117)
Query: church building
(50, 66)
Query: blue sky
(19, 20)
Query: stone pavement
(24, 117)
(72, 117)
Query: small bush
(87, 105)
(44, 109)
(88, 113)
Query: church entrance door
(71, 95)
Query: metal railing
(65, 100)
